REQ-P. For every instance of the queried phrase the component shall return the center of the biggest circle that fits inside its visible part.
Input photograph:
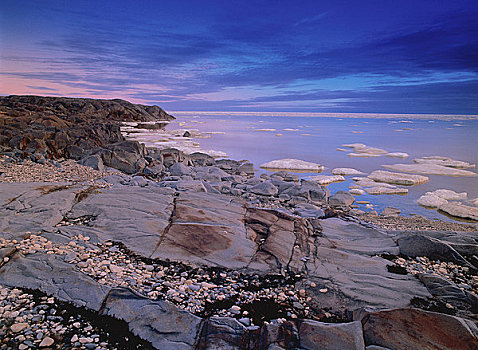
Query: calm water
(315, 139)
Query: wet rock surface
(182, 251)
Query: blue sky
(318, 56)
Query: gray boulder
(159, 322)
(94, 161)
(417, 329)
(341, 199)
(419, 245)
(179, 169)
(331, 336)
(265, 189)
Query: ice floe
(293, 164)
(397, 178)
(444, 161)
(346, 171)
(429, 169)
(397, 155)
(325, 179)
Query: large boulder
(331, 336)
(420, 245)
(417, 329)
(341, 199)
(265, 189)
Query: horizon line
(331, 114)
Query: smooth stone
(325, 179)
(450, 195)
(47, 341)
(417, 329)
(331, 336)
(265, 189)
(293, 164)
(419, 245)
(179, 169)
(18, 327)
(431, 200)
(429, 169)
(397, 178)
(346, 171)
(159, 322)
(460, 210)
(341, 198)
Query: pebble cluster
(31, 320)
(416, 222)
(460, 275)
(202, 291)
(65, 171)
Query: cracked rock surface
(109, 247)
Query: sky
(383, 56)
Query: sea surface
(315, 138)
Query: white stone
(397, 155)
(450, 195)
(346, 171)
(361, 148)
(429, 169)
(293, 164)
(47, 341)
(444, 161)
(431, 200)
(460, 210)
(325, 179)
(397, 178)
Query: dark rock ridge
(54, 127)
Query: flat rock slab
(417, 329)
(429, 169)
(293, 164)
(345, 260)
(207, 229)
(397, 178)
(354, 238)
(460, 210)
(55, 277)
(135, 216)
(159, 322)
(34, 206)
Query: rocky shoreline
(177, 251)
